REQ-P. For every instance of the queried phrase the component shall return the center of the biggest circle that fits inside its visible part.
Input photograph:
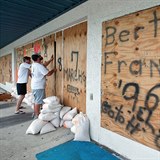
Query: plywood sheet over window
(59, 65)
(48, 46)
(74, 79)
(45, 47)
(131, 76)
(6, 69)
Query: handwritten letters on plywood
(131, 76)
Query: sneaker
(19, 112)
(22, 107)
(35, 117)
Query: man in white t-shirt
(23, 74)
(38, 82)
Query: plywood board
(74, 80)
(130, 102)
(59, 66)
(6, 69)
(45, 47)
(47, 52)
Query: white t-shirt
(39, 73)
(23, 73)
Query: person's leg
(37, 109)
(38, 100)
(21, 90)
(19, 102)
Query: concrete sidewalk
(15, 144)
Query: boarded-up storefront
(69, 49)
(6, 69)
(46, 48)
(131, 76)
(74, 80)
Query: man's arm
(51, 72)
(48, 62)
(29, 73)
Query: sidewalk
(15, 144)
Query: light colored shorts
(39, 95)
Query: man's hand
(55, 70)
(52, 58)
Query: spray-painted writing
(143, 115)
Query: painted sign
(130, 102)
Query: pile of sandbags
(54, 115)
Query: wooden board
(131, 76)
(6, 69)
(59, 65)
(74, 79)
(48, 51)
(44, 47)
(69, 83)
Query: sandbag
(49, 110)
(67, 124)
(51, 99)
(52, 106)
(73, 129)
(64, 110)
(35, 126)
(56, 121)
(82, 128)
(61, 122)
(47, 128)
(47, 116)
(70, 114)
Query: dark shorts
(21, 88)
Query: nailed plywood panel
(6, 69)
(44, 47)
(59, 63)
(74, 79)
(131, 76)
(48, 51)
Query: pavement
(15, 144)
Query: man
(23, 74)
(38, 82)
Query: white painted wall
(97, 11)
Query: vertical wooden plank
(47, 52)
(131, 76)
(59, 65)
(75, 47)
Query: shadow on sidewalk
(7, 105)
(15, 119)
